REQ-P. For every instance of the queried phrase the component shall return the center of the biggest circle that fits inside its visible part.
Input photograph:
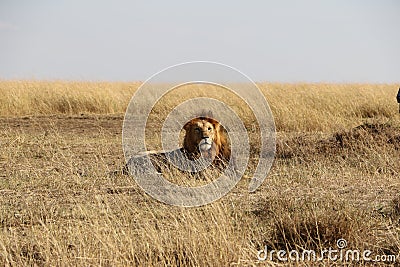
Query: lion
(204, 138)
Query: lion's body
(204, 137)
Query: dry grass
(20, 98)
(296, 107)
(336, 175)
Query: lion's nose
(205, 137)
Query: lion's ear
(216, 125)
(186, 127)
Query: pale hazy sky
(285, 41)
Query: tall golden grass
(296, 107)
(19, 98)
(336, 175)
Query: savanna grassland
(64, 200)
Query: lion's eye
(209, 128)
(197, 130)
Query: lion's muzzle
(205, 144)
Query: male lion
(204, 138)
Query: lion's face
(201, 133)
(205, 135)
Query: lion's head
(205, 135)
